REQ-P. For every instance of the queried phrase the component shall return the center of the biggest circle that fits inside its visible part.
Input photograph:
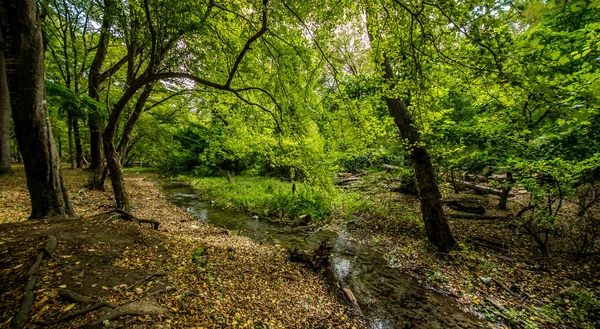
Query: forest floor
(191, 275)
(499, 270)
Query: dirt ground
(190, 274)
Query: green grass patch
(268, 197)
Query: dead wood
(350, 296)
(464, 208)
(443, 292)
(503, 310)
(390, 167)
(346, 180)
(485, 189)
(485, 245)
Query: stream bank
(387, 297)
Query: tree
(436, 227)
(24, 57)
(4, 119)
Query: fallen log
(344, 181)
(484, 189)
(350, 297)
(390, 167)
(464, 208)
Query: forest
(300, 164)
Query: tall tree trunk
(95, 79)
(70, 135)
(113, 155)
(4, 120)
(24, 57)
(436, 227)
(78, 147)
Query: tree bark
(70, 136)
(24, 55)
(78, 147)
(436, 227)
(4, 120)
(95, 79)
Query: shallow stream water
(387, 297)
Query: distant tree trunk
(95, 79)
(4, 120)
(78, 147)
(505, 191)
(70, 135)
(24, 55)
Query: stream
(387, 297)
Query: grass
(267, 197)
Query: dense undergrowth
(294, 203)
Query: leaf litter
(214, 278)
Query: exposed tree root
(131, 218)
(21, 318)
(145, 306)
(103, 306)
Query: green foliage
(576, 306)
(267, 197)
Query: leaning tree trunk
(24, 55)
(436, 227)
(4, 120)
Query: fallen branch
(501, 285)
(485, 189)
(460, 207)
(503, 310)
(485, 245)
(350, 296)
(347, 180)
(443, 292)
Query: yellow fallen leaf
(63, 286)
(68, 307)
